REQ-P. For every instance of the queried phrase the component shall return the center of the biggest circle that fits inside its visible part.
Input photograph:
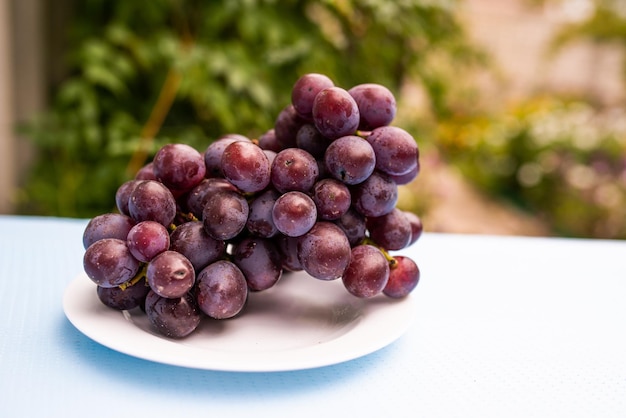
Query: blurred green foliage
(144, 73)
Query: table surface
(504, 327)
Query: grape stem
(140, 275)
(393, 263)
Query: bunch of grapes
(194, 233)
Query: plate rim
(390, 319)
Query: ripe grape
(222, 290)
(179, 166)
(391, 231)
(126, 298)
(107, 225)
(396, 150)
(109, 263)
(294, 214)
(350, 159)
(170, 274)
(377, 105)
(416, 226)
(294, 169)
(267, 141)
(196, 199)
(123, 194)
(191, 240)
(259, 262)
(353, 224)
(324, 251)
(376, 196)
(246, 166)
(304, 91)
(403, 278)
(213, 156)
(335, 113)
(286, 127)
(332, 199)
(311, 140)
(288, 249)
(225, 214)
(146, 172)
(147, 239)
(368, 271)
(260, 221)
(152, 201)
(172, 317)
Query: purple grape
(396, 150)
(191, 240)
(146, 172)
(391, 231)
(376, 196)
(416, 226)
(350, 159)
(268, 142)
(172, 317)
(179, 166)
(221, 290)
(353, 224)
(368, 272)
(213, 156)
(152, 201)
(288, 248)
(107, 225)
(225, 214)
(124, 299)
(377, 105)
(294, 169)
(109, 263)
(148, 239)
(123, 194)
(286, 127)
(260, 221)
(259, 261)
(170, 274)
(335, 113)
(324, 251)
(312, 141)
(407, 177)
(271, 155)
(294, 214)
(332, 199)
(246, 166)
(196, 199)
(403, 278)
(304, 91)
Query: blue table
(505, 327)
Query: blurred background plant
(143, 73)
(140, 74)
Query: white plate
(300, 323)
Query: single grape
(170, 274)
(391, 231)
(259, 261)
(350, 159)
(107, 225)
(304, 91)
(335, 113)
(377, 105)
(191, 240)
(196, 199)
(332, 199)
(403, 278)
(152, 201)
(294, 169)
(407, 177)
(172, 317)
(123, 194)
(225, 214)
(271, 155)
(353, 224)
(147, 239)
(222, 290)
(267, 141)
(108, 262)
(312, 141)
(396, 150)
(288, 249)
(324, 251)
(146, 172)
(179, 166)
(376, 196)
(246, 166)
(286, 127)
(124, 299)
(368, 272)
(416, 226)
(294, 214)
(260, 221)
(213, 156)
